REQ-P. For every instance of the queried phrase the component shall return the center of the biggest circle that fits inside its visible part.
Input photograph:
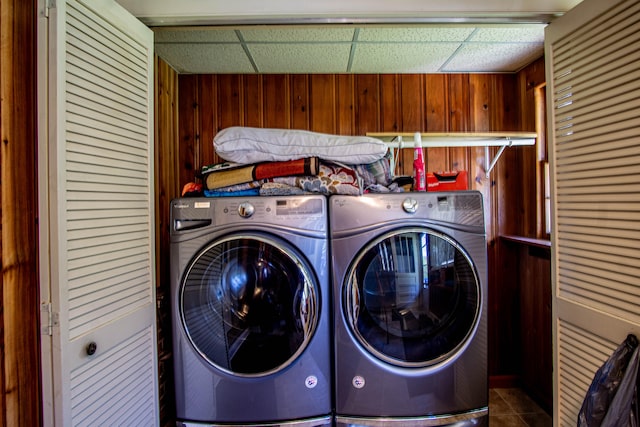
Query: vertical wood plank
(480, 90)
(300, 101)
(480, 99)
(412, 107)
(345, 104)
(391, 118)
(367, 87)
(167, 135)
(437, 115)
(207, 90)
(527, 81)
(459, 113)
(188, 128)
(276, 101)
(504, 338)
(322, 110)
(253, 112)
(20, 398)
(504, 307)
(229, 105)
(507, 175)
(535, 322)
(437, 102)
(459, 118)
(390, 103)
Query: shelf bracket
(489, 164)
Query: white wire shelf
(464, 139)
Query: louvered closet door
(593, 70)
(101, 228)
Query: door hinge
(48, 319)
(48, 5)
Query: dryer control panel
(460, 207)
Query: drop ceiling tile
(195, 35)
(401, 57)
(300, 57)
(493, 57)
(288, 35)
(414, 34)
(205, 58)
(533, 33)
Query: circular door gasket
(249, 304)
(412, 297)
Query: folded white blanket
(248, 145)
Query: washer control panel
(305, 212)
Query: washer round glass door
(249, 304)
(412, 297)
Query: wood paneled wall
(523, 271)
(515, 214)
(20, 399)
(346, 105)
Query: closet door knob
(91, 348)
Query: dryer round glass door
(412, 298)
(249, 304)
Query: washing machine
(250, 311)
(409, 273)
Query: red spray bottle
(419, 175)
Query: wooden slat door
(97, 206)
(593, 68)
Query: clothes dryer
(410, 309)
(250, 311)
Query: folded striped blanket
(228, 174)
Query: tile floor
(511, 407)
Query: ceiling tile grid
(384, 58)
(300, 58)
(503, 48)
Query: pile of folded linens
(268, 162)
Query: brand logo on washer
(311, 381)
(358, 381)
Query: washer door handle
(188, 224)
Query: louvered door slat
(588, 246)
(593, 31)
(110, 375)
(583, 353)
(94, 285)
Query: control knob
(410, 205)
(246, 209)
